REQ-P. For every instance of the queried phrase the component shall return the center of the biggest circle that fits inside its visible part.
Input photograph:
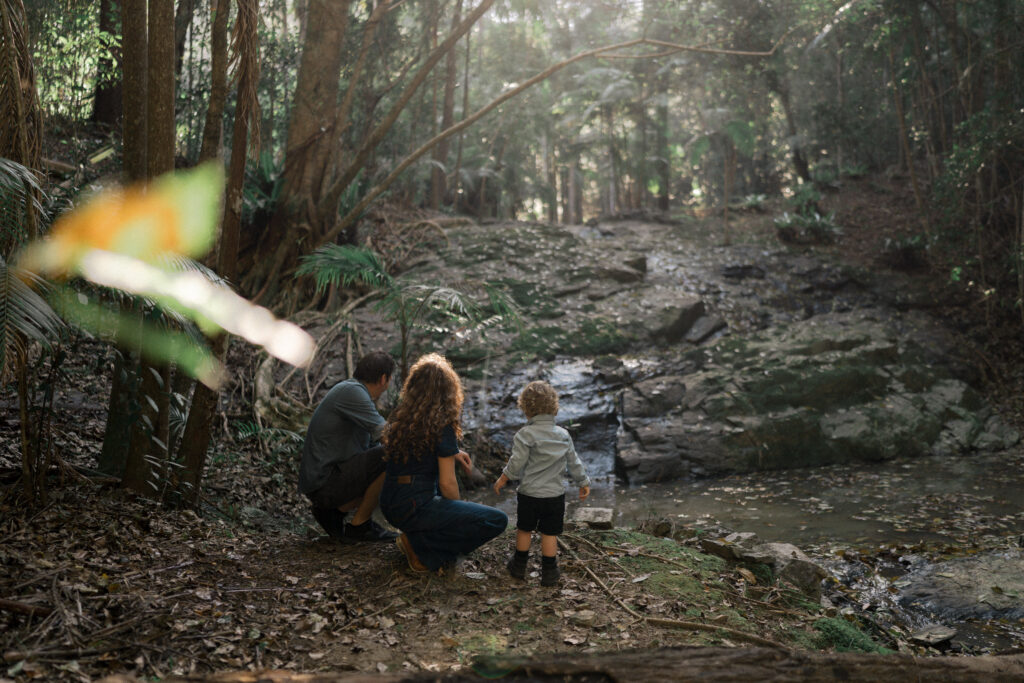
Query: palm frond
(344, 265)
(24, 314)
(19, 194)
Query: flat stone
(595, 518)
(933, 635)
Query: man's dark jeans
(439, 530)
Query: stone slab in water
(595, 518)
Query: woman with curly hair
(421, 494)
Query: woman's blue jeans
(438, 529)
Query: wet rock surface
(989, 585)
(677, 358)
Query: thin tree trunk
(145, 446)
(457, 172)
(106, 108)
(213, 128)
(897, 93)
(20, 142)
(182, 22)
(438, 175)
(199, 425)
(134, 86)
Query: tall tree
(198, 427)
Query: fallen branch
(24, 608)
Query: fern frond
(24, 314)
(344, 265)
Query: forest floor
(98, 581)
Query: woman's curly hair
(431, 400)
(538, 398)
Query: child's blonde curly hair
(538, 398)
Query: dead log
(721, 664)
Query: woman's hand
(500, 484)
(446, 480)
(465, 461)
(584, 492)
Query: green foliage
(844, 636)
(594, 337)
(279, 444)
(473, 307)
(263, 182)
(805, 199)
(814, 228)
(342, 265)
(67, 48)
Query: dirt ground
(98, 581)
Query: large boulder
(831, 389)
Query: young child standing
(542, 452)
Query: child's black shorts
(540, 514)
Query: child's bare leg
(548, 545)
(523, 540)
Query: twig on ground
(24, 608)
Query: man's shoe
(549, 575)
(332, 521)
(369, 531)
(517, 566)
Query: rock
(638, 263)
(836, 388)
(584, 617)
(676, 320)
(740, 272)
(705, 326)
(655, 396)
(719, 547)
(933, 635)
(733, 546)
(984, 586)
(790, 564)
(624, 275)
(595, 518)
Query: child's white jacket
(542, 452)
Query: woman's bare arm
(446, 479)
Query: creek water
(941, 499)
(898, 515)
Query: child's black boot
(549, 574)
(517, 564)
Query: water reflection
(903, 501)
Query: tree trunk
(145, 445)
(213, 129)
(438, 174)
(182, 22)
(134, 80)
(116, 436)
(457, 172)
(199, 425)
(800, 164)
(106, 106)
(315, 101)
